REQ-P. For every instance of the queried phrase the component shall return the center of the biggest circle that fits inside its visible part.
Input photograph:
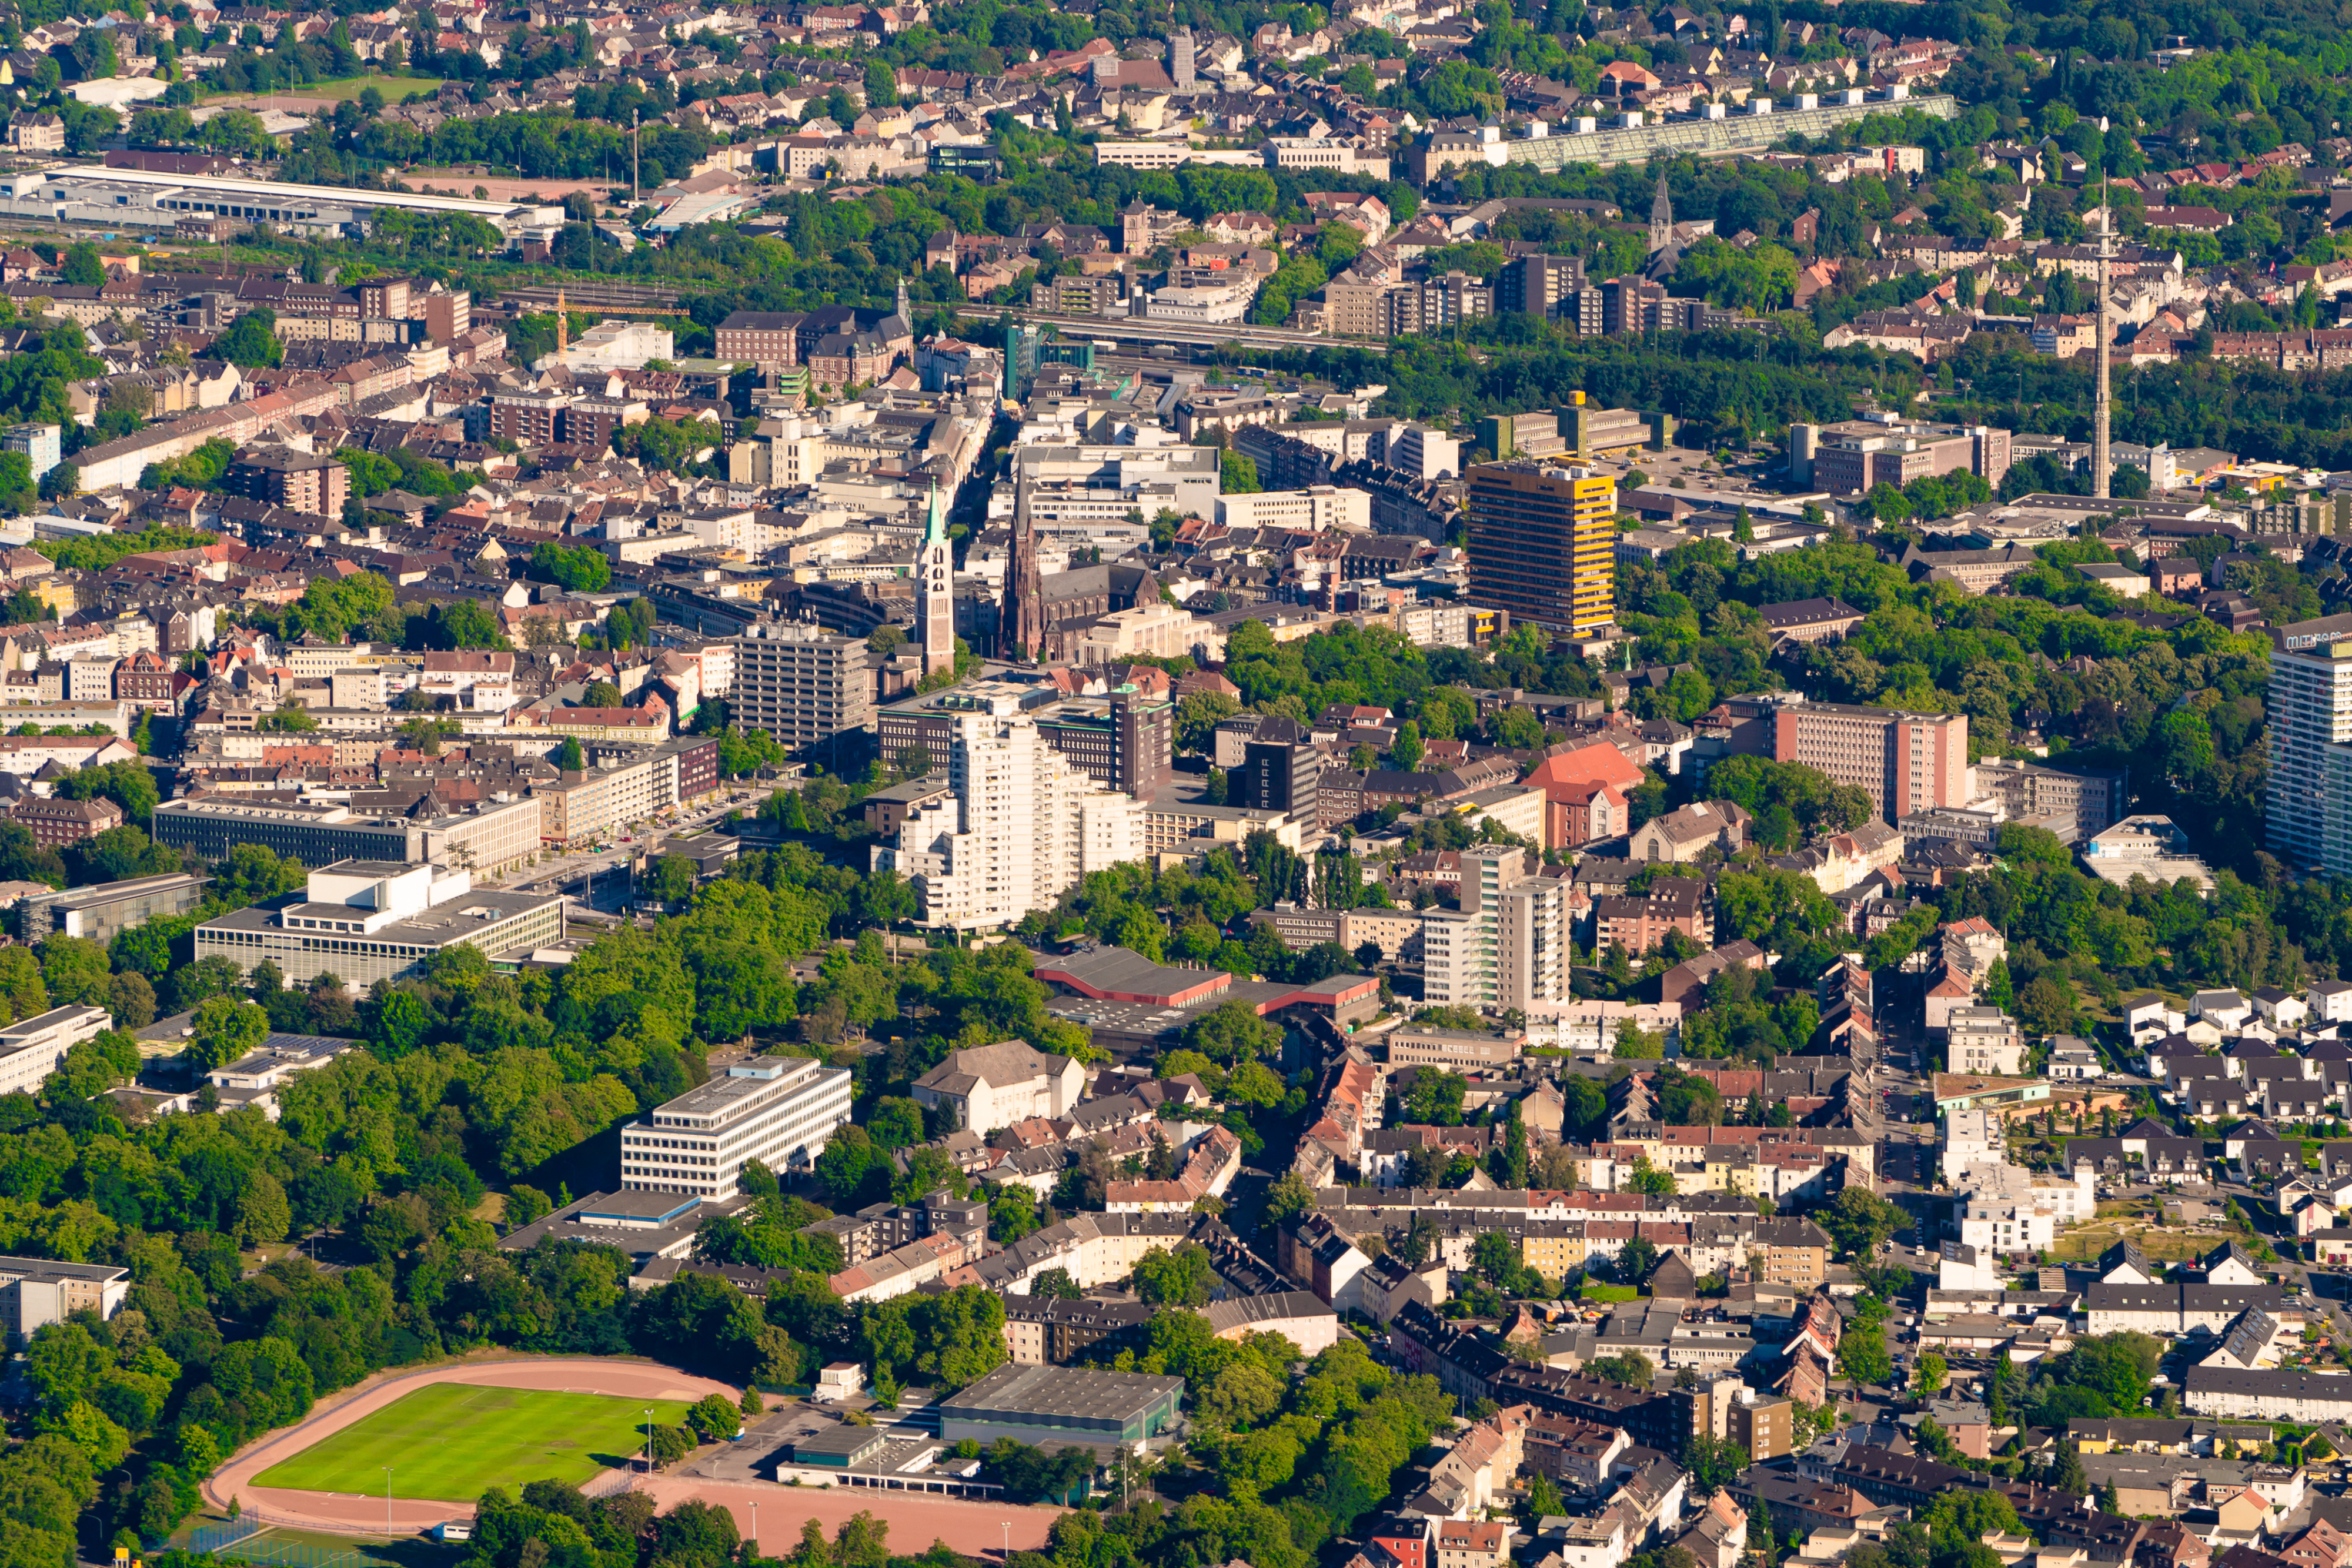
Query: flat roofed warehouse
(85, 193)
(1044, 1406)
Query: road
(597, 877)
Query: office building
(487, 840)
(1019, 825)
(1279, 770)
(36, 1292)
(1906, 762)
(364, 921)
(1052, 1408)
(31, 1049)
(101, 913)
(1311, 510)
(1121, 740)
(2309, 709)
(1543, 543)
(1858, 454)
(777, 1110)
(298, 481)
(40, 444)
(801, 684)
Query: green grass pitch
(451, 1442)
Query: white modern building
(36, 1292)
(364, 921)
(1971, 1139)
(1315, 508)
(31, 1049)
(777, 1110)
(1019, 826)
(2309, 711)
(1506, 947)
(614, 345)
(991, 1087)
(1984, 1041)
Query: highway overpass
(1207, 334)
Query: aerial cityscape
(1116, 785)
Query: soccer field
(451, 1442)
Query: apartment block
(2309, 709)
(298, 481)
(1535, 285)
(1020, 826)
(1906, 762)
(1543, 543)
(801, 684)
(777, 1110)
(528, 418)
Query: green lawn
(451, 1442)
(393, 88)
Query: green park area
(394, 88)
(451, 1442)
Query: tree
(1289, 1198)
(2066, 1475)
(1929, 1376)
(226, 1028)
(1859, 1220)
(714, 1418)
(1629, 1367)
(1232, 1034)
(251, 342)
(1183, 1278)
(1861, 1355)
(1648, 1178)
(81, 266)
(582, 568)
(1713, 1462)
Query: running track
(915, 1521)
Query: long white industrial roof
(278, 191)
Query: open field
(452, 1441)
(393, 88)
(975, 1528)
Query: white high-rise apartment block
(2310, 717)
(1507, 944)
(1019, 826)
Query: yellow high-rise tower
(1543, 543)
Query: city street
(598, 878)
